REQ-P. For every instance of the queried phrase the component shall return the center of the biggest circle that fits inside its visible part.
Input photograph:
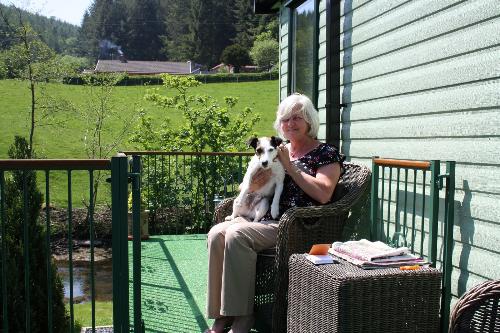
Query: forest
(169, 30)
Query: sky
(70, 11)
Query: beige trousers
(232, 255)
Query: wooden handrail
(188, 153)
(55, 164)
(424, 165)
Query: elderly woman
(313, 170)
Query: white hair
(301, 105)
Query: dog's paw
(275, 210)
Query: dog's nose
(265, 163)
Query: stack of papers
(370, 255)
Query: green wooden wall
(421, 80)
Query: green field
(66, 141)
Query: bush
(14, 237)
(208, 125)
(136, 80)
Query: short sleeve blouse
(293, 195)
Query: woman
(313, 170)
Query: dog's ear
(253, 142)
(276, 141)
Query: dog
(254, 205)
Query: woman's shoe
(219, 325)
(242, 324)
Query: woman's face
(294, 127)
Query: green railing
(406, 210)
(185, 185)
(181, 189)
(25, 171)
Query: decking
(174, 275)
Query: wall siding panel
(463, 41)
(471, 97)
(434, 26)
(477, 66)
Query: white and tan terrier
(253, 205)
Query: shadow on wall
(467, 230)
(347, 77)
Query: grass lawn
(67, 141)
(83, 314)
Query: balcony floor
(174, 275)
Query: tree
(179, 40)
(207, 125)
(30, 59)
(16, 187)
(235, 55)
(265, 53)
(215, 30)
(145, 27)
(101, 139)
(245, 23)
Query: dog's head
(266, 149)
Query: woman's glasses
(295, 119)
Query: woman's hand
(260, 178)
(284, 156)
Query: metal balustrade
(181, 189)
(24, 169)
(405, 211)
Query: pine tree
(245, 22)
(180, 35)
(215, 30)
(145, 26)
(15, 188)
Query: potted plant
(144, 218)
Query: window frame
(291, 6)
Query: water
(81, 280)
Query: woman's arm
(321, 187)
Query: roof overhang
(266, 6)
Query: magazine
(366, 250)
(370, 255)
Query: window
(303, 50)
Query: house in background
(146, 67)
(223, 68)
(410, 80)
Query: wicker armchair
(299, 228)
(478, 310)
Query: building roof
(143, 67)
(266, 6)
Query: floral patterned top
(293, 195)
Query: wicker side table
(345, 298)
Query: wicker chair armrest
(222, 210)
(475, 300)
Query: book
(320, 259)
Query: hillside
(58, 35)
